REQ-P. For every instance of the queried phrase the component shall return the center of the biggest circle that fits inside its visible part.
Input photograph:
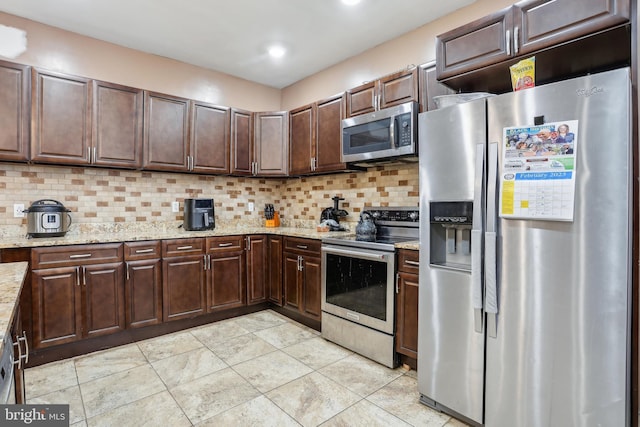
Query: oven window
(358, 285)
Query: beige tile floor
(261, 369)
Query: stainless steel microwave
(388, 133)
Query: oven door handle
(356, 254)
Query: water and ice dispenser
(450, 233)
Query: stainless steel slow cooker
(47, 218)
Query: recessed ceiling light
(350, 2)
(277, 51)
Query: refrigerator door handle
(490, 244)
(476, 240)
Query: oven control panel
(408, 215)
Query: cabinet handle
(301, 263)
(144, 251)
(95, 154)
(412, 263)
(184, 248)
(84, 276)
(508, 42)
(312, 163)
(248, 239)
(127, 269)
(516, 36)
(225, 245)
(26, 346)
(19, 361)
(397, 283)
(79, 256)
(78, 276)
(302, 246)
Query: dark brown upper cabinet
(15, 84)
(117, 126)
(526, 27)
(394, 89)
(302, 139)
(271, 137)
(430, 87)
(314, 137)
(61, 118)
(241, 142)
(166, 133)
(210, 138)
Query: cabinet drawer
(302, 246)
(225, 244)
(61, 256)
(181, 247)
(142, 250)
(409, 261)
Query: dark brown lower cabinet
(183, 278)
(274, 279)
(257, 268)
(407, 303)
(143, 283)
(77, 292)
(302, 276)
(226, 286)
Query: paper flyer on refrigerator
(537, 180)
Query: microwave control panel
(404, 129)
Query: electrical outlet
(175, 206)
(251, 206)
(18, 209)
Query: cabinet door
(475, 45)
(117, 125)
(430, 87)
(271, 143)
(183, 287)
(143, 293)
(14, 111)
(257, 268)
(275, 270)
(166, 132)
(329, 115)
(301, 139)
(57, 306)
(241, 142)
(291, 280)
(209, 138)
(103, 287)
(61, 118)
(312, 287)
(398, 88)
(361, 99)
(407, 315)
(226, 283)
(542, 23)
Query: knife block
(275, 222)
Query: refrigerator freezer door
(560, 356)
(450, 343)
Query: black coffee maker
(199, 214)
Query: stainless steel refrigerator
(525, 255)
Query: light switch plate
(175, 206)
(251, 206)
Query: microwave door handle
(206, 219)
(392, 132)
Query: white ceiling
(232, 36)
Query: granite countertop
(12, 276)
(173, 233)
(413, 245)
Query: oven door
(358, 285)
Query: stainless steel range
(358, 284)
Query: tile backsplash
(98, 196)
